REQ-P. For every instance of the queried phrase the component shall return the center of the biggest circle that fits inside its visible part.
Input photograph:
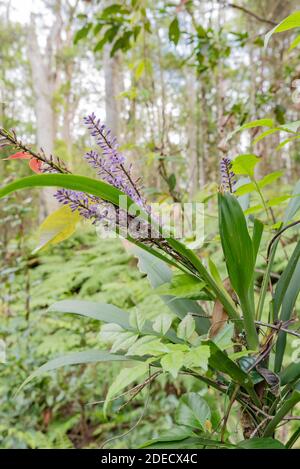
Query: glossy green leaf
(221, 362)
(174, 434)
(294, 43)
(250, 125)
(239, 257)
(290, 374)
(245, 164)
(261, 443)
(174, 31)
(285, 280)
(258, 228)
(288, 404)
(288, 303)
(292, 21)
(193, 411)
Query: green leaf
(251, 187)
(148, 345)
(239, 256)
(288, 404)
(159, 273)
(186, 328)
(214, 272)
(174, 31)
(197, 357)
(206, 277)
(293, 205)
(122, 43)
(193, 411)
(294, 437)
(287, 308)
(223, 339)
(137, 320)
(270, 178)
(110, 332)
(172, 434)
(245, 164)
(139, 70)
(124, 341)
(245, 189)
(172, 362)
(220, 361)
(111, 10)
(285, 279)
(74, 358)
(294, 43)
(292, 21)
(251, 125)
(188, 443)
(162, 323)
(83, 32)
(182, 285)
(261, 443)
(265, 134)
(286, 141)
(126, 377)
(258, 228)
(290, 374)
(99, 311)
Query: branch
(279, 234)
(251, 13)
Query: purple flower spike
(110, 166)
(227, 175)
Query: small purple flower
(227, 175)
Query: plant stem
(284, 409)
(249, 324)
(265, 283)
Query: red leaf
(35, 165)
(21, 155)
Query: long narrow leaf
(99, 311)
(74, 358)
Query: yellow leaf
(57, 227)
(208, 426)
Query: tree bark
(43, 82)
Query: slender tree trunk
(112, 89)
(42, 83)
(192, 153)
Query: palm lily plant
(218, 334)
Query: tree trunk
(112, 89)
(43, 88)
(192, 153)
